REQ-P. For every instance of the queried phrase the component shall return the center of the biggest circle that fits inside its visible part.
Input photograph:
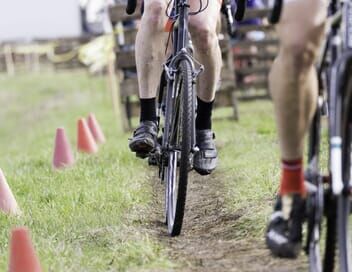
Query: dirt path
(207, 242)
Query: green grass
(85, 218)
(249, 160)
(88, 218)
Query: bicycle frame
(334, 69)
(174, 151)
(180, 51)
(341, 53)
(177, 105)
(181, 7)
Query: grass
(249, 160)
(88, 218)
(85, 218)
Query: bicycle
(176, 111)
(330, 195)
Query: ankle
(292, 178)
(204, 111)
(148, 109)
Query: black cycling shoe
(284, 233)
(205, 160)
(144, 139)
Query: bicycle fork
(339, 78)
(335, 132)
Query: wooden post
(10, 66)
(234, 105)
(36, 62)
(28, 61)
(114, 86)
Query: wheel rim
(172, 176)
(314, 245)
(344, 209)
(171, 189)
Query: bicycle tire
(330, 239)
(344, 224)
(179, 161)
(316, 203)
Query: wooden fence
(126, 66)
(254, 50)
(41, 54)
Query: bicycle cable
(174, 16)
(200, 7)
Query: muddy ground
(207, 242)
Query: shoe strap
(205, 140)
(146, 127)
(209, 153)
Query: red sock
(292, 179)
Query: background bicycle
(330, 194)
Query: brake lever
(230, 21)
(131, 6)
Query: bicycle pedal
(152, 160)
(142, 155)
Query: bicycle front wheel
(180, 141)
(344, 226)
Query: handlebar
(241, 9)
(275, 15)
(230, 11)
(226, 9)
(131, 6)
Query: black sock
(148, 109)
(204, 109)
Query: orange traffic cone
(63, 156)
(85, 140)
(22, 254)
(8, 202)
(96, 129)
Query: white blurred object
(83, 3)
(39, 19)
(97, 15)
(97, 53)
(255, 35)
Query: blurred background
(26, 21)
(61, 60)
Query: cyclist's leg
(207, 51)
(150, 54)
(294, 86)
(150, 47)
(203, 30)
